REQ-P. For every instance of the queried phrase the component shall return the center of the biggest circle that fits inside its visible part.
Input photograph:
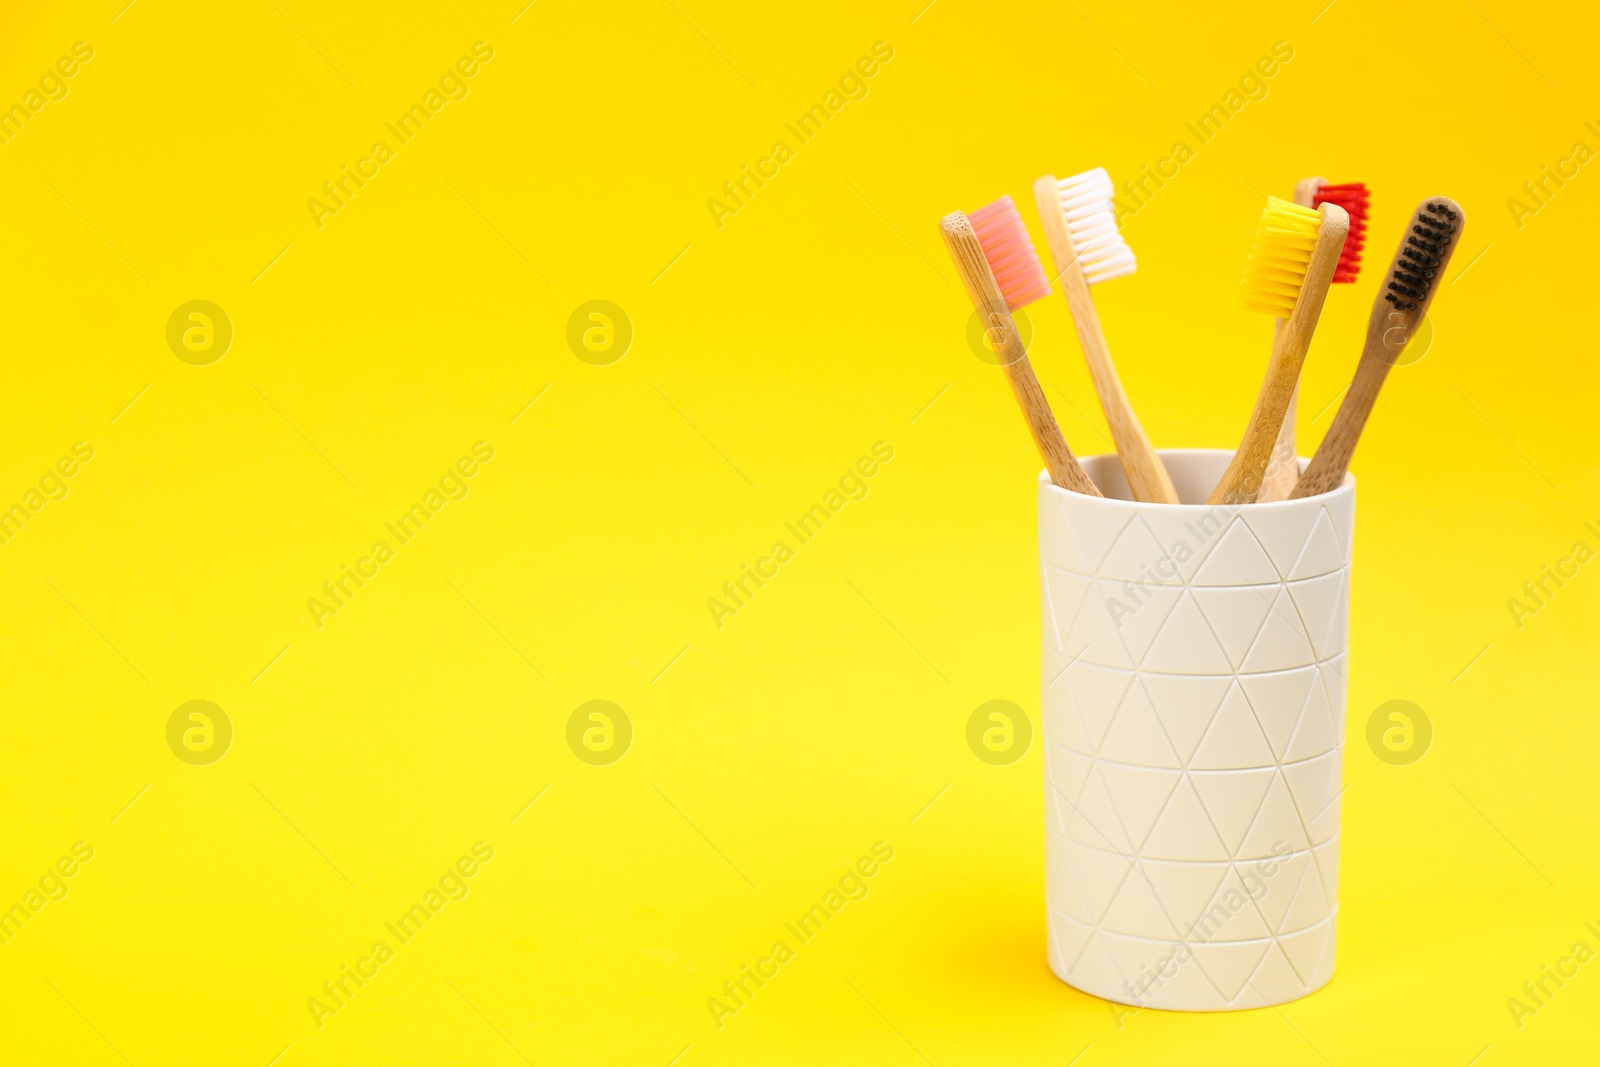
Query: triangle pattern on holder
(1232, 915)
(1184, 545)
(1315, 734)
(1139, 794)
(1282, 644)
(1099, 875)
(1136, 735)
(1237, 559)
(1139, 612)
(1184, 831)
(1282, 534)
(1057, 545)
(1096, 695)
(1229, 964)
(1320, 602)
(1335, 683)
(1094, 530)
(1275, 972)
(1062, 727)
(1185, 888)
(1326, 858)
(1185, 706)
(1310, 905)
(1235, 614)
(1231, 799)
(1314, 785)
(1134, 555)
(1283, 883)
(1093, 636)
(1093, 821)
(1064, 591)
(1341, 516)
(1068, 773)
(1157, 965)
(1277, 824)
(1323, 552)
(1061, 882)
(1279, 701)
(1234, 738)
(1094, 967)
(1186, 643)
(1138, 909)
(1306, 949)
(1072, 939)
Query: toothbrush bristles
(1092, 223)
(1286, 235)
(1419, 261)
(1356, 200)
(1010, 253)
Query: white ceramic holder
(1194, 692)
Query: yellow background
(768, 355)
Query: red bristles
(1353, 197)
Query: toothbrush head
(1091, 222)
(1010, 253)
(1423, 255)
(1354, 198)
(1286, 235)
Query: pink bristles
(1007, 247)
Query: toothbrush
(1413, 280)
(1002, 272)
(1288, 274)
(1081, 230)
(1283, 470)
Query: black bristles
(1431, 233)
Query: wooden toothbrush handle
(1243, 479)
(1332, 459)
(1147, 475)
(1064, 468)
(1247, 471)
(1283, 469)
(979, 282)
(1435, 231)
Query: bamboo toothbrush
(1288, 274)
(1002, 272)
(1283, 470)
(1081, 230)
(1413, 280)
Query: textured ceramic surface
(1194, 691)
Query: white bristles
(1086, 205)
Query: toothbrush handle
(1283, 469)
(1332, 459)
(1064, 468)
(979, 282)
(1242, 480)
(1389, 330)
(1147, 476)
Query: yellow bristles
(1285, 237)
